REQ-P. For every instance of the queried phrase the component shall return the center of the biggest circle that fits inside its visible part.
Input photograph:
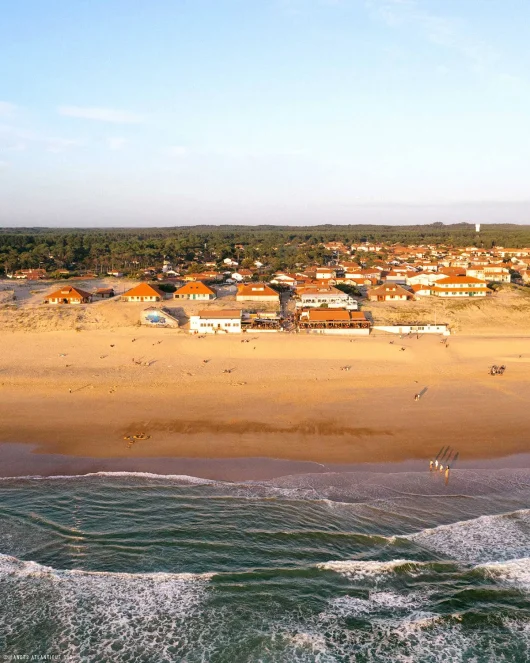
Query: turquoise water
(321, 567)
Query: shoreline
(20, 461)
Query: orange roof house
(194, 290)
(389, 292)
(256, 292)
(68, 295)
(143, 293)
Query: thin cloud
(116, 143)
(100, 114)
(18, 140)
(445, 31)
(7, 109)
(58, 145)
(177, 151)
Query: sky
(177, 112)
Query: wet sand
(19, 460)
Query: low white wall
(342, 332)
(414, 329)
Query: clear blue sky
(168, 112)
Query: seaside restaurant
(261, 322)
(330, 321)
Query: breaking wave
(296, 570)
(484, 539)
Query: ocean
(329, 567)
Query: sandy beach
(285, 397)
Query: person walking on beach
(447, 475)
(441, 468)
(430, 465)
(436, 464)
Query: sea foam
(484, 539)
(94, 616)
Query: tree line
(279, 247)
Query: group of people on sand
(434, 466)
(497, 370)
(446, 454)
(131, 439)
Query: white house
(389, 292)
(422, 290)
(490, 273)
(314, 296)
(284, 279)
(195, 290)
(256, 292)
(424, 278)
(143, 293)
(325, 273)
(212, 322)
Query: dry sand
(285, 397)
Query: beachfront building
(333, 321)
(143, 293)
(212, 322)
(195, 290)
(258, 292)
(261, 321)
(389, 292)
(69, 295)
(320, 296)
(460, 286)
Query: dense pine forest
(279, 247)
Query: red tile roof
(144, 290)
(256, 290)
(69, 292)
(195, 288)
(450, 280)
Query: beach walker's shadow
(423, 391)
